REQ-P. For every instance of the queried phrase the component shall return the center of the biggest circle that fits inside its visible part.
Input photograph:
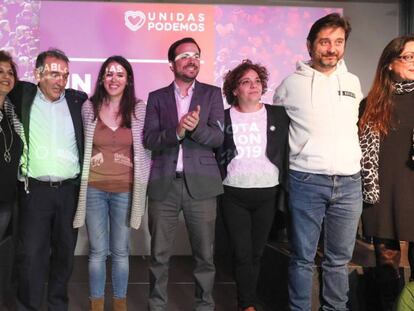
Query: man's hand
(188, 122)
(192, 118)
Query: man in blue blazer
(184, 122)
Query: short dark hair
(173, 47)
(232, 77)
(331, 20)
(51, 52)
(7, 58)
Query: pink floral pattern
(273, 36)
(19, 33)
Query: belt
(52, 184)
(179, 175)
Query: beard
(185, 77)
(329, 63)
(182, 75)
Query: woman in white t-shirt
(253, 160)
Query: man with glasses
(183, 124)
(322, 100)
(48, 193)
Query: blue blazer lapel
(195, 100)
(171, 105)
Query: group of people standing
(95, 161)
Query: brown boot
(119, 304)
(96, 304)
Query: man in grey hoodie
(322, 100)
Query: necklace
(6, 154)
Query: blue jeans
(335, 202)
(107, 217)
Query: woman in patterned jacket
(114, 177)
(388, 112)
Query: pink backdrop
(89, 32)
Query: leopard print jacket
(370, 144)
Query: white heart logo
(134, 19)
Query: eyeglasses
(187, 55)
(249, 83)
(407, 58)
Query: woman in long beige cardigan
(114, 177)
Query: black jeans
(5, 216)
(248, 215)
(46, 244)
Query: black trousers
(248, 216)
(7, 252)
(46, 244)
(5, 216)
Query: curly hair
(232, 78)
